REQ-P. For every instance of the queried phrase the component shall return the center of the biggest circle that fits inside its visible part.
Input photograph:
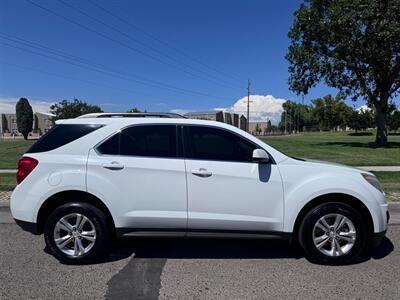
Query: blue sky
(201, 52)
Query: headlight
(372, 180)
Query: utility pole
(248, 105)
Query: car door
(140, 171)
(227, 191)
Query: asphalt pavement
(193, 269)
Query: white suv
(91, 179)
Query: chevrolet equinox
(94, 178)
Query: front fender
(298, 195)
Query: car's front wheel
(76, 232)
(333, 233)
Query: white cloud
(262, 108)
(7, 105)
(363, 108)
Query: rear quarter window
(61, 135)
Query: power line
(78, 61)
(77, 65)
(168, 45)
(76, 79)
(69, 77)
(140, 42)
(119, 42)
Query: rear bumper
(28, 226)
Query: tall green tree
(133, 110)
(394, 121)
(360, 120)
(268, 128)
(24, 117)
(71, 109)
(330, 112)
(351, 45)
(296, 116)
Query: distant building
(8, 123)
(42, 122)
(262, 128)
(208, 115)
(228, 118)
(220, 116)
(243, 123)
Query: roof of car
(147, 120)
(132, 115)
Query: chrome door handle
(113, 166)
(202, 173)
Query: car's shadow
(204, 248)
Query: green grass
(7, 181)
(339, 147)
(11, 151)
(390, 182)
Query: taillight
(25, 166)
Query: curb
(380, 168)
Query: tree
(133, 110)
(360, 120)
(268, 128)
(257, 129)
(24, 117)
(351, 45)
(330, 112)
(72, 109)
(296, 116)
(394, 121)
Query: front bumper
(28, 226)
(377, 238)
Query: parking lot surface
(193, 269)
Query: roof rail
(133, 115)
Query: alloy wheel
(334, 235)
(74, 235)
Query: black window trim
(180, 140)
(179, 146)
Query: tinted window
(61, 135)
(152, 140)
(209, 143)
(110, 146)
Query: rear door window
(143, 140)
(61, 135)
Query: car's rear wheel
(333, 233)
(77, 233)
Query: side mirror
(260, 156)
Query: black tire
(306, 233)
(95, 216)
